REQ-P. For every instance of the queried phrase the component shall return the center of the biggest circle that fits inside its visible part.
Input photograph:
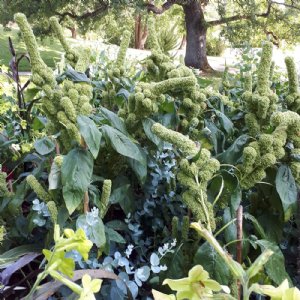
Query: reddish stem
(239, 246)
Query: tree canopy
(239, 20)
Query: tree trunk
(141, 33)
(74, 32)
(196, 30)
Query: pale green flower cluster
(71, 54)
(182, 142)
(2, 233)
(42, 75)
(185, 228)
(117, 70)
(53, 211)
(123, 49)
(61, 103)
(257, 157)
(293, 97)
(42, 194)
(291, 122)
(225, 79)
(83, 60)
(264, 69)
(3, 185)
(248, 83)
(78, 60)
(262, 103)
(194, 176)
(269, 148)
(158, 65)
(148, 96)
(152, 39)
(38, 188)
(106, 191)
(59, 160)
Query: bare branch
(248, 17)
(160, 10)
(293, 6)
(103, 6)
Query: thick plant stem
(205, 211)
(86, 200)
(70, 284)
(235, 267)
(86, 208)
(239, 246)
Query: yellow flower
(89, 287)
(283, 292)
(196, 285)
(77, 241)
(26, 147)
(59, 262)
(23, 124)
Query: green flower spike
(89, 287)
(106, 191)
(123, 48)
(292, 75)
(3, 184)
(263, 72)
(196, 286)
(187, 146)
(38, 188)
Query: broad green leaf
(123, 92)
(30, 93)
(123, 197)
(287, 190)
(216, 136)
(12, 255)
(272, 225)
(230, 231)
(113, 119)
(275, 267)
(139, 168)
(122, 144)
(225, 122)
(44, 146)
(213, 263)
(147, 124)
(73, 75)
(236, 198)
(90, 133)
(114, 236)
(76, 174)
(259, 263)
(72, 198)
(176, 265)
(98, 234)
(233, 154)
(257, 226)
(117, 225)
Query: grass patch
(50, 49)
